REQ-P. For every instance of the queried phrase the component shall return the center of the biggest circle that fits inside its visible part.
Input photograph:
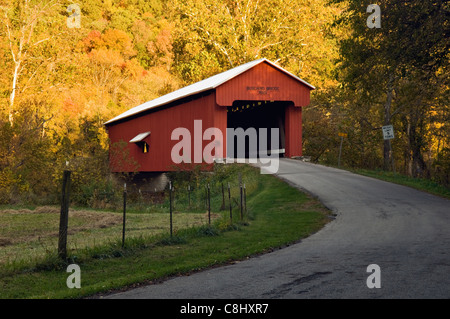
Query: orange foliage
(111, 40)
(71, 109)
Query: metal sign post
(209, 206)
(189, 195)
(229, 201)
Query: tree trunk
(387, 121)
(418, 166)
(13, 92)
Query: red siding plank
(293, 127)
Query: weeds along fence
(179, 205)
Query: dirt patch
(5, 242)
(313, 204)
(38, 210)
(213, 215)
(96, 219)
(47, 210)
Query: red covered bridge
(257, 94)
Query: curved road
(404, 231)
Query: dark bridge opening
(257, 115)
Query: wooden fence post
(124, 213)
(64, 215)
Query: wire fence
(185, 206)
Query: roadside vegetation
(276, 215)
(422, 184)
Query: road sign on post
(388, 132)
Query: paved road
(404, 231)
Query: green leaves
(391, 73)
(226, 34)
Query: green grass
(422, 184)
(26, 237)
(277, 215)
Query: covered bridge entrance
(172, 130)
(258, 115)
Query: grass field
(277, 214)
(28, 236)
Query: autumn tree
(213, 36)
(393, 69)
(21, 22)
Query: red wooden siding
(161, 124)
(263, 82)
(293, 131)
(220, 121)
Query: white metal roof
(140, 137)
(202, 86)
